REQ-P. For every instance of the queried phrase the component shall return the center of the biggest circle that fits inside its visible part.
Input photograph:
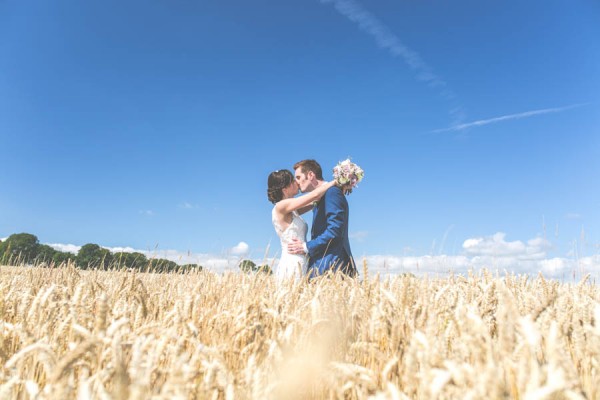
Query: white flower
(346, 173)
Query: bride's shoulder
(278, 210)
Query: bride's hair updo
(278, 180)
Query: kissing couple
(329, 247)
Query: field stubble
(67, 333)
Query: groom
(329, 248)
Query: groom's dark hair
(310, 165)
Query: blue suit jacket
(329, 248)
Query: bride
(288, 223)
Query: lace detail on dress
(290, 265)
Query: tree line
(25, 248)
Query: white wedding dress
(291, 266)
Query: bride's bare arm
(296, 203)
(305, 209)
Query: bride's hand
(346, 189)
(296, 246)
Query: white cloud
(122, 249)
(67, 248)
(240, 249)
(441, 264)
(210, 261)
(188, 206)
(527, 114)
(493, 252)
(147, 212)
(359, 235)
(496, 246)
(560, 268)
(554, 265)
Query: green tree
(92, 256)
(134, 260)
(162, 265)
(45, 254)
(20, 247)
(247, 266)
(265, 269)
(189, 267)
(60, 258)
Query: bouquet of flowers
(348, 175)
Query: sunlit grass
(68, 333)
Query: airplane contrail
(385, 39)
(527, 114)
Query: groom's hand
(347, 189)
(296, 246)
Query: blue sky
(154, 124)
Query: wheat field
(68, 333)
